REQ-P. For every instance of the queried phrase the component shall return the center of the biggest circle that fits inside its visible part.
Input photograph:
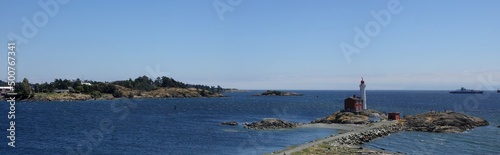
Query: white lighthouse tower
(362, 87)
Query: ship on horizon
(467, 91)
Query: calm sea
(191, 126)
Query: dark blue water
(191, 126)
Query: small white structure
(362, 87)
(5, 89)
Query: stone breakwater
(358, 138)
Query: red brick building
(353, 104)
(393, 116)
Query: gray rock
(443, 122)
(230, 123)
(342, 117)
(271, 124)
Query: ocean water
(191, 126)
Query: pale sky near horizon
(259, 44)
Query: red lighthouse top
(362, 81)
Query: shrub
(118, 94)
(130, 95)
(95, 94)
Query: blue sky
(259, 44)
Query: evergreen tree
(23, 89)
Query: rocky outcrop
(271, 124)
(443, 122)
(230, 123)
(67, 97)
(427, 122)
(367, 136)
(168, 93)
(362, 117)
(278, 93)
(130, 93)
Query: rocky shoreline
(443, 122)
(362, 117)
(61, 97)
(439, 122)
(128, 93)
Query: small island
(278, 93)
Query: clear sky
(260, 44)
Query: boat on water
(467, 91)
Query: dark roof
(355, 98)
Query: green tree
(203, 93)
(144, 83)
(118, 94)
(77, 83)
(24, 89)
(130, 95)
(219, 89)
(87, 89)
(95, 94)
(158, 82)
(79, 89)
